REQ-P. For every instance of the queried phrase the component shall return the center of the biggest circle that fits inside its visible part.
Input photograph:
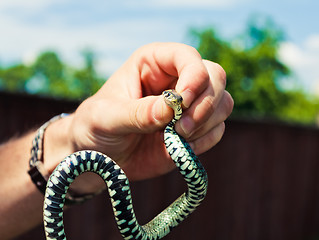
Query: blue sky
(114, 29)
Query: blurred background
(67, 49)
(263, 174)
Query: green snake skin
(119, 190)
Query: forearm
(20, 200)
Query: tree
(254, 73)
(14, 78)
(87, 77)
(49, 72)
(49, 76)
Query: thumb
(147, 114)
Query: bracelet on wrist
(38, 173)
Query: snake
(118, 187)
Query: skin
(125, 120)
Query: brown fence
(263, 183)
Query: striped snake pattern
(119, 190)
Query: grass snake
(118, 186)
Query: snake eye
(166, 93)
(172, 98)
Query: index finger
(185, 65)
(193, 80)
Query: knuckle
(216, 135)
(208, 104)
(204, 74)
(208, 141)
(134, 118)
(191, 49)
(203, 111)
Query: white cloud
(188, 3)
(313, 43)
(304, 61)
(114, 29)
(30, 5)
(22, 3)
(112, 41)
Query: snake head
(172, 98)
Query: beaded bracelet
(37, 171)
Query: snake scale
(118, 186)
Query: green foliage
(49, 76)
(300, 108)
(86, 79)
(254, 73)
(14, 78)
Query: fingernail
(187, 125)
(157, 111)
(188, 97)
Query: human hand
(126, 117)
(125, 120)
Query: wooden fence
(263, 182)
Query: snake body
(119, 189)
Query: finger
(205, 105)
(173, 64)
(193, 82)
(194, 78)
(144, 115)
(221, 113)
(206, 142)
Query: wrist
(57, 143)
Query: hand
(125, 120)
(126, 117)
